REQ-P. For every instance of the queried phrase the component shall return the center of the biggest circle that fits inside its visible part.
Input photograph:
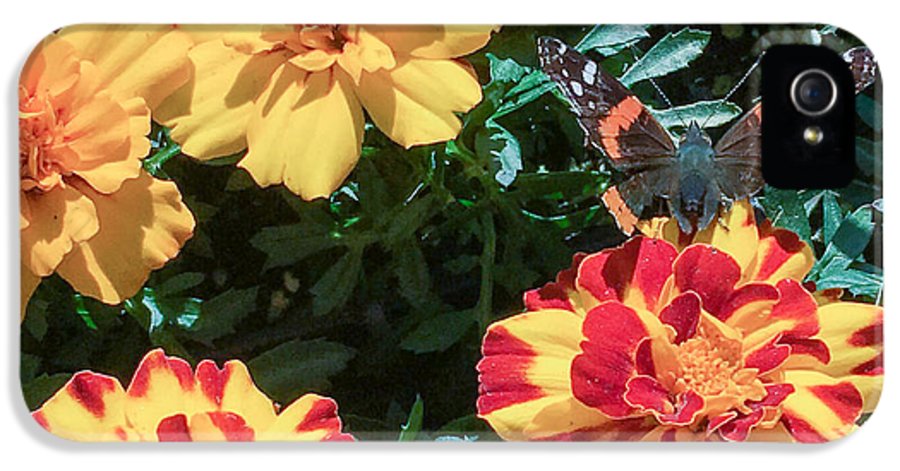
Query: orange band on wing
(620, 118)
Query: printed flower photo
(437, 233)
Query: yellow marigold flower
(168, 401)
(294, 96)
(88, 210)
(705, 337)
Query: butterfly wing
(627, 200)
(863, 66)
(613, 119)
(739, 156)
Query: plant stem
(488, 253)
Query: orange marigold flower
(294, 96)
(168, 401)
(88, 210)
(710, 337)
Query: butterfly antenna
(662, 94)
(735, 88)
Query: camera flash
(813, 135)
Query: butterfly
(692, 178)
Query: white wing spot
(576, 88)
(589, 72)
(565, 73)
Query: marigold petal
(434, 41)
(161, 387)
(613, 332)
(633, 273)
(219, 426)
(708, 272)
(59, 219)
(146, 225)
(309, 418)
(525, 370)
(231, 389)
(683, 315)
(795, 314)
(149, 61)
(854, 336)
(781, 254)
(415, 103)
(209, 115)
(821, 408)
(557, 294)
(735, 233)
(307, 133)
(90, 407)
(113, 140)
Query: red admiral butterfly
(692, 178)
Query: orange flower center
(708, 368)
(40, 132)
(711, 364)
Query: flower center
(708, 368)
(40, 132)
(328, 38)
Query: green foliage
(410, 431)
(297, 366)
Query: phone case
(373, 232)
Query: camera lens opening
(813, 92)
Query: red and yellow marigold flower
(168, 401)
(88, 210)
(708, 337)
(294, 96)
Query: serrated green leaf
(610, 39)
(439, 332)
(866, 156)
(410, 431)
(296, 367)
(671, 53)
(337, 284)
(707, 113)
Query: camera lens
(813, 92)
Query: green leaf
(439, 332)
(287, 245)
(412, 273)
(785, 209)
(83, 312)
(869, 111)
(866, 151)
(673, 52)
(410, 431)
(503, 149)
(528, 89)
(337, 284)
(832, 215)
(853, 235)
(610, 39)
(710, 114)
(220, 314)
(299, 366)
(180, 283)
(408, 218)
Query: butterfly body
(690, 180)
